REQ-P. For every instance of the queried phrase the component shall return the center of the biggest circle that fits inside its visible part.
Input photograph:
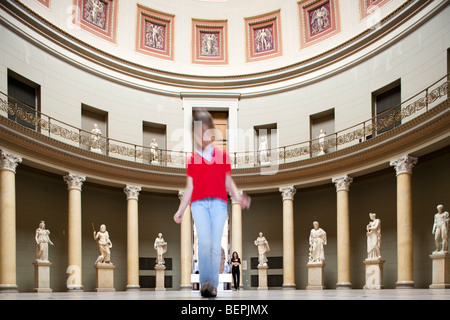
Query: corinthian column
(132, 193)
(185, 247)
(403, 167)
(288, 237)
(236, 232)
(74, 235)
(343, 231)
(8, 164)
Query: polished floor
(355, 294)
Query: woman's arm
(178, 216)
(243, 199)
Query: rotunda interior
(329, 110)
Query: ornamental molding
(342, 183)
(132, 192)
(403, 164)
(74, 181)
(288, 192)
(9, 161)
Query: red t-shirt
(209, 176)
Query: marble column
(403, 167)
(186, 247)
(236, 232)
(343, 231)
(132, 193)
(8, 164)
(74, 234)
(288, 237)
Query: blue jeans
(209, 217)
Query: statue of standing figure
(42, 238)
(263, 150)
(154, 158)
(373, 238)
(96, 135)
(161, 248)
(317, 239)
(263, 248)
(440, 228)
(104, 245)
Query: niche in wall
(266, 136)
(27, 92)
(90, 117)
(384, 99)
(321, 123)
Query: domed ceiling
(214, 38)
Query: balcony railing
(46, 125)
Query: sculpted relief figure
(440, 228)
(161, 248)
(317, 239)
(263, 248)
(42, 238)
(373, 238)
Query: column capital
(9, 161)
(288, 192)
(132, 192)
(233, 200)
(74, 181)
(342, 182)
(404, 164)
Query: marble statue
(263, 248)
(161, 248)
(96, 135)
(42, 241)
(440, 228)
(373, 238)
(322, 142)
(317, 239)
(154, 158)
(104, 245)
(263, 150)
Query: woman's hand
(245, 201)
(178, 216)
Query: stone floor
(355, 294)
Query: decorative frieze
(9, 161)
(132, 192)
(404, 164)
(342, 183)
(74, 181)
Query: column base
(344, 286)
(289, 287)
(404, 285)
(9, 288)
(133, 288)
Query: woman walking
(208, 179)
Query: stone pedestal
(160, 271)
(42, 276)
(315, 276)
(105, 277)
(262, 277)
(441, 270)
(374, 274)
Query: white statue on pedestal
(317, 239)
(154, 158)
(322, 142)
(104, 244)
(440, 228)
(263, 150)
(263, 248)
(96, 135)
(42, 241)
(373, 238)
(161, 248)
